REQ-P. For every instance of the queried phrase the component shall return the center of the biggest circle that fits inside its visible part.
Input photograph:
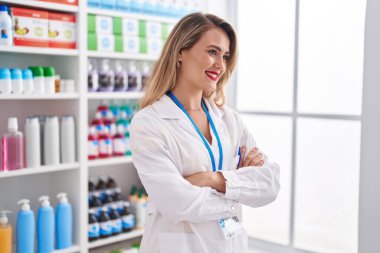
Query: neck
(189, 98)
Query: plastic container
(92, 77)
(38, 79)
(128, 151)
(42, 120)
(5, 81)
(121, 77)
(25, 227)
(12, 147)
(49, 75)
(145, 75)
(57, 83)
(105, 224)
(110, 123)
(105, 143)
(117, 226)
(5, 233)
(6, 35)
(45, 226)
(51, 141)
(27, 79)
(32, 142)
(101, 187)
(127, 217)
(93, 226)
(67, 139)
(119, 142)
(69, 86)
(134, 78)
(106, 77)
(64, 222)
(17, 83)
(92, 144)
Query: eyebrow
(218, 48)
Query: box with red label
(62, 30)
(30, 27)
(69, 2)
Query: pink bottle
(105, 143)
(13, 147)
(119, 142)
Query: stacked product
(47, 142)
(129, 35)
(109, 213)
(38, 28)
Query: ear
(180, 56)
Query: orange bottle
(5, 233)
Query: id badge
(231, 227)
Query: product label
(117, 226)
(93, 230)
(62, 32)
(106, 228)
(119, 146)
(4, 30)
(130, 27)
(93, 148)
(128, 221)
(105, 147)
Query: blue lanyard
(171, 95)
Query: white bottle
(17, 83)
(67, 139)
(27, 78)
(6, 35)
(5, 81)
(33, 142)
(51, 141)
(38, 79)
(134, 78)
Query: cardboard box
(105, 42)
(154, 46)
(134, 44)
(68, 2)
(62, 30)
(153, 29)
(30, 27)
(104, 24)
(92, 42)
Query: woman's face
(204, 64)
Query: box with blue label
(133, 44)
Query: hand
(254, 158)
(214, 180)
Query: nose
(219, 63)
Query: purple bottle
(12, 147)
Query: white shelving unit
(114, 239)
(110, 161)
(39, 50)
(39, 170)
(115, 95)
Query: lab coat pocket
(178, 242)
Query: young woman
(190, 150)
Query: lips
(213, 75)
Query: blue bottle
(45, 226)
(25, 228)
(63, 222)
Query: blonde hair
(184, 35)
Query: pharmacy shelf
(115, 95)
(131, 15)
(42, 5)
(56, 96)
(109, 161)
(118, 238)
(124, 56)
(39, 170)
(72, 249)
(39, 50)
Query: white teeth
(212, 75)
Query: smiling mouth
(212, 75)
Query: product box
(62, 31)
(108, 4)
(128, 27)
(153, 29)
(68, 2)
(100, 24)
(106, 42)
(123, 5)
(30, 27)
(92, 42)
(134, 44)
(93, 3)
(154, 46)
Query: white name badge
(231, 227)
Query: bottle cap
(16, 74)
(49, 71)
(5, 73)
(67, 118)
(27, 74)
(12, 124)
(38, 71)
(32, 120)
(3, 217)
(44, 201)
(3, 8)
(24, 204)
(62, 197)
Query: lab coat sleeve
(254, 186)
(175, 197)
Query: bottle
(117, 226)
(6, 35)
(32, 142)
(134, 78)
(49, 75)
(91, 190)
(97, 203)
(105, 143)
(38, 79)
(105, 223)
(119, 142)
(121, 77)
(108, 200)
(145, 75)
(127, 217)
(141, 208)
(51, 141)
(92, 144)
(13, 147)
(98, 121)
(128, 151)
(25, 227)
(45, 226)
(110, 123)
(106, 77)
(5, 81)
(101, 188)
(5, 233)
(103, 109)
(67, 139)
(92, 77)
(27, 79)
(118, 199)
(42, 120)
(17, 84)
(111, 183)
(64, 222)
(57, 83)
(93, 226)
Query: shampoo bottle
(64, 222)
(6, 35)
(5, 233)
(25, 228)
(45, 226)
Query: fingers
(254, 158)
(250, 157)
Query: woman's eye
(212, 52)
(226, 57)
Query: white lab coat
(182, 218)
